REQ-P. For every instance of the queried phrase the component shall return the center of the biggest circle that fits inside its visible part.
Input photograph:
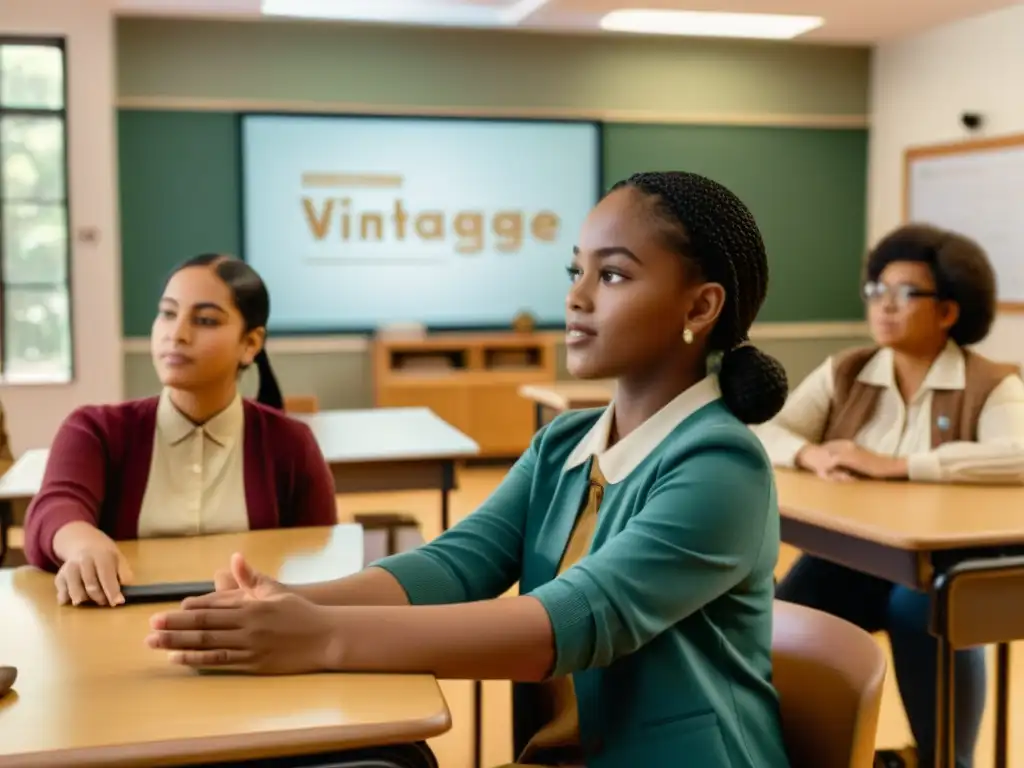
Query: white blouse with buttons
(900, 429)
(196, 479)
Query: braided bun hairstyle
(713, 230)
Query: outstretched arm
(608, 605)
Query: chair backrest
(829, 675)
(301, 404)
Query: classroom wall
(34, 412)
(333, 67)
(920, 86)
(221, 67)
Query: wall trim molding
(351, 343)
(288, 345)
(198, 104)
(831, 329)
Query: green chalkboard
(180, 196)
(806, 188)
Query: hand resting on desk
(93, 567)
(844, 460)
(251, 624)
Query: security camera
(972, 120)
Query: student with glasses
(917, 405)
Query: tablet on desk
(165, 592)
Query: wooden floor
(454, 749)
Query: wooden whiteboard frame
(913, 154)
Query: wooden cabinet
(471, 380)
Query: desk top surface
(387, 434)
(909, 516)
(567, 395)
(89, 692)
(24, 477)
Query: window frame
(62, 113)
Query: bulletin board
(976, 188)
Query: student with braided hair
(917, 405)
(643, 535)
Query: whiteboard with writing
(978, 192)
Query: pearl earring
(688, 336)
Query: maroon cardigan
(99, 466)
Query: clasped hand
(843, 460)
(251, 624)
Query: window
(35, 295)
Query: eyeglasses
(900, 294)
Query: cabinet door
(502, 421)
(448, 402)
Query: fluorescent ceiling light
(766, 26)
(445, 12)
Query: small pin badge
(943, 423)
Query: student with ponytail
(197, 459)
(643, 536)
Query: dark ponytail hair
(269, 392)
(252, 299)
(715, 232)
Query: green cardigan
(666, 625)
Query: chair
(829, 676)
(388, 533)
(301, 404)
(969, 611)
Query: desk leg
(945, 754)
(1002, 704)
(478, 724)
(447, 484)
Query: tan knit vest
(955, 412)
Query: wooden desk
(391, 449)
(22, 480)
(903, 532)
(912, 534)
(89, 692)
(566, 396)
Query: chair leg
(391, 523)
(1002, 705)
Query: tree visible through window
(35, 311)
